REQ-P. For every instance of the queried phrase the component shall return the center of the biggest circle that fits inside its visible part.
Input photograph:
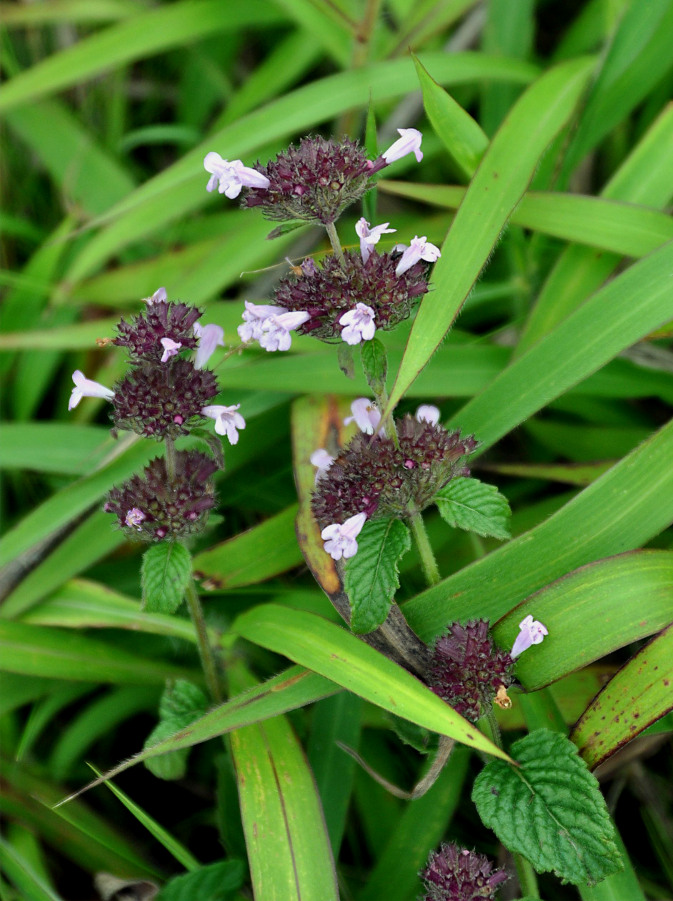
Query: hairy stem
(205, 650)
(336, 244)
(170, 457)
(427, 555)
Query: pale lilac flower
(532, 632)
(365, 415)
(87, 388)
(276, 330)
(340, 539)
(322, 460)
(134, 518)
(427, 413)
(210, 337)
(419, 249)
(370, 236)
(159, 296)
(227, 420)
(358, 324)
(408, 142)
(254, 317)
(230, 177)
(170, 348)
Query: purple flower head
(370, 236)
(409, 141)
(467, 670)
(532, 632)
(230, 177)
(335, 289)
(372, 475)
(144, 335)
(340, 540)
(227, 420)
(314, 181)
(419, 249)
(158, 401)
(150, 507)
(456, 874)
(85, 387)
(358, 324)
(210, 337)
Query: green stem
(205, 650)
(336, 244)
(170, 457)
(428, 561)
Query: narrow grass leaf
(497, 187)
(639, 695)
(212, 882)
(23, 876)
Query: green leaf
(637, 696)
(285, 229)
(497, 187)
(213, 882)
(474, 506)
(166, 571)
(181, 704)
(549, 809)
(374, 364)
(371, 577)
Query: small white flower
(87, 388)
(427, 413)
(358, 324)
(322, 460)
(227, 420)
(170, 348)
(134, 518)
(370, 236)
(276, 330)
(419, 249)
(159, 296)
(532, 632)
(340, 539)
(365, 415)
(408, 142)
(230, 177)
(254, 317)
(210, 337)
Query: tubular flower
(230, 177)
(532, 632)
(143, 335)
(419, 249)
(358, 324)
(210, 337)
(314, 181)
(333, 289)
(372, 475)
(456, 874)
(467, 670)
(428, 413)
(340, 540)
(366, 415)
(322, 460)
(227, 420)
(254, 317)
(409, 141)
(170, 347)
(159, 296)
(86, 388)
(276, 330)
(150, 507)
(370, 236)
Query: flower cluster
(163, 396)
(314, 182)
(456, 874)
(377, 477)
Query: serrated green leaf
(549, 808)
(214, 882)
(371, 576)
(474, 506)
(165, 573)
(285, 229)
(374, 364)
(181, 704)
